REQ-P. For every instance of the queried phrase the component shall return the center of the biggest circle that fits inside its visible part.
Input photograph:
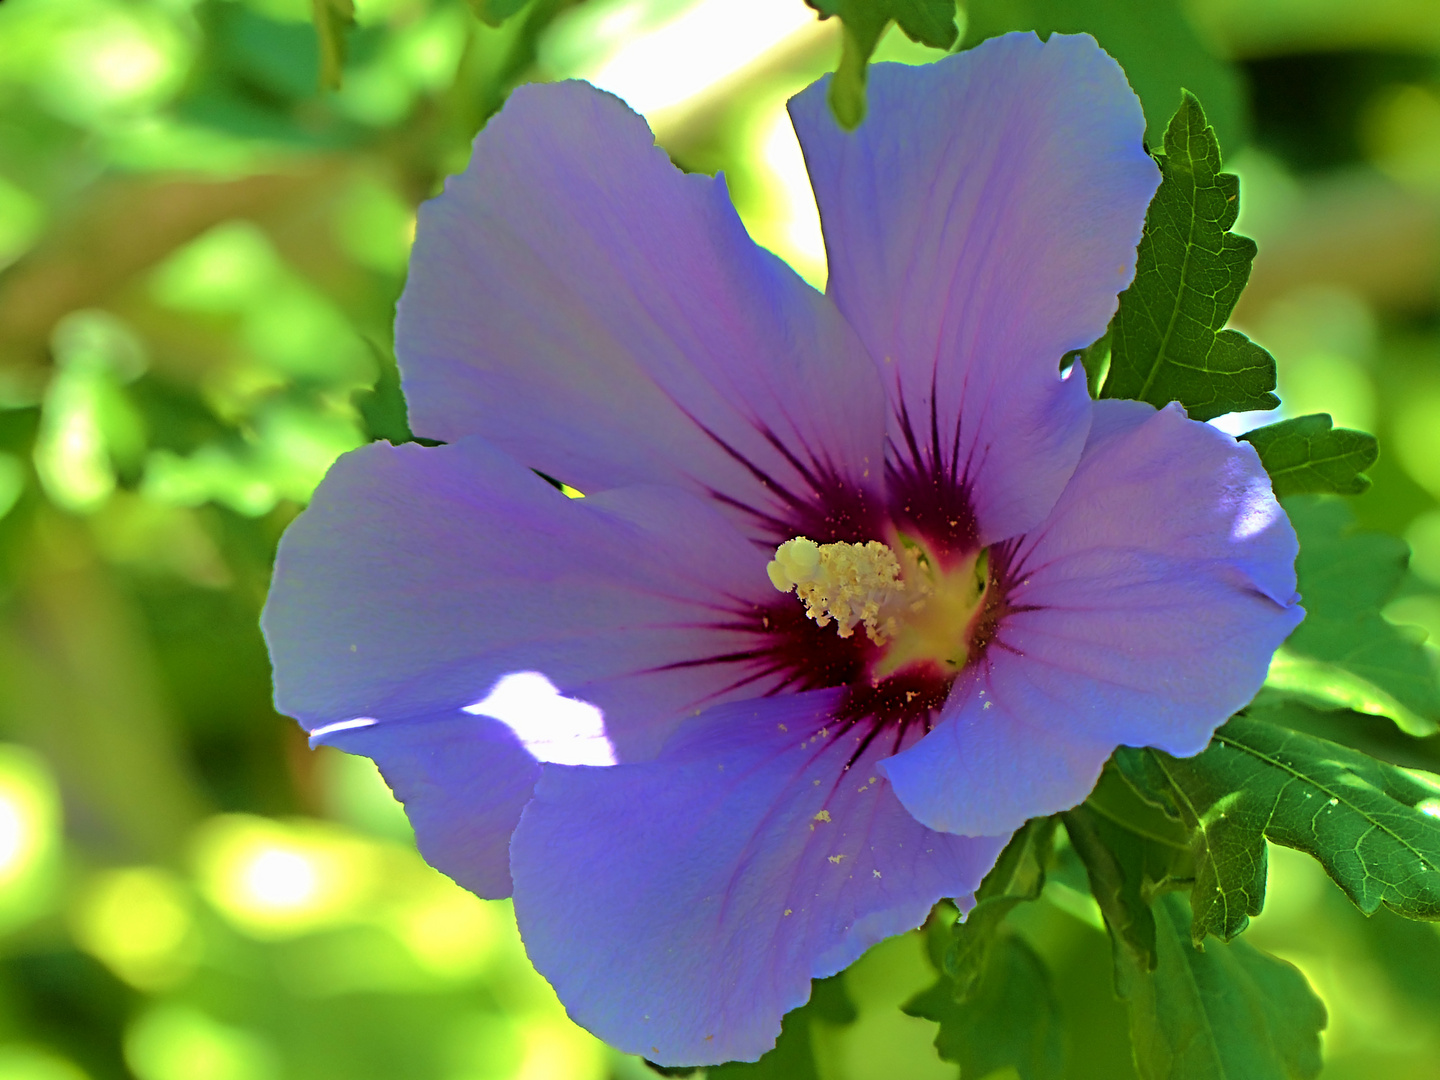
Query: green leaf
(794, 1057)
(930, 22)
(1227, 846)
(1345, 652)
(1017, 876)
(1010, 1019)
(1131, 851)
(495, 12)
(332, 19)
(1230, 1012)
(1375, 828)
(1306, 456)
(1166, 341)
(1152, 39)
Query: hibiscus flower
(859, 582)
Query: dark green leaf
(1166, 341)
(1345, 652)
(793, 1057)
(495, 12)
(332, 19)
(1010, 1019)
(1374, 827)
(1306, 455)
(1153, 41)
(1017, 876)
(1131, 852)
(930, 22)
(382, 407)
(1230, 1012)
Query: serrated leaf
(1166, 341)
(1375, 828)
(495, 12)
(1230, 1012)
(1346, 578)
(1017, 876)
(1011, 1019)
(1153, 40)
(1227, 846)
(930, 22)
(332, 19)
(1306, 455)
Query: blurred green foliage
(200, 250)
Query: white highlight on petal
(554, 728)
(319, 733)
(1257, 509)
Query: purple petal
(419, 577)
(1144, 612)
(979, 225)
(606, 319)
(463, 780)
(682, 905)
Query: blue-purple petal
(420, 577)
(606, 319)
(1145, 611)
(463, 779)
(681, 906)
(979, 225)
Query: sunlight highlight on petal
(552, 727)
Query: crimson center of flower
(919, 613)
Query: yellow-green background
(199, 257)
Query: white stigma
(848, 584)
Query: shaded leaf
(1010, 1019)
(1375, 828)
(1017, 876)
(1152, 39)
(1166, 341)
(1306, 455)
(1230, 1012)
(332, 19)
(1346, 578)
(930, 22)
(1131, 852)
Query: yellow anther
(906, 601)
(848, 584)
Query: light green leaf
(332, 19)
(1230, 1012)
(1166, 341)
(930, 22)
(1010, 1019)
(1346, 578)
(495, 12)
(1306, 455)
